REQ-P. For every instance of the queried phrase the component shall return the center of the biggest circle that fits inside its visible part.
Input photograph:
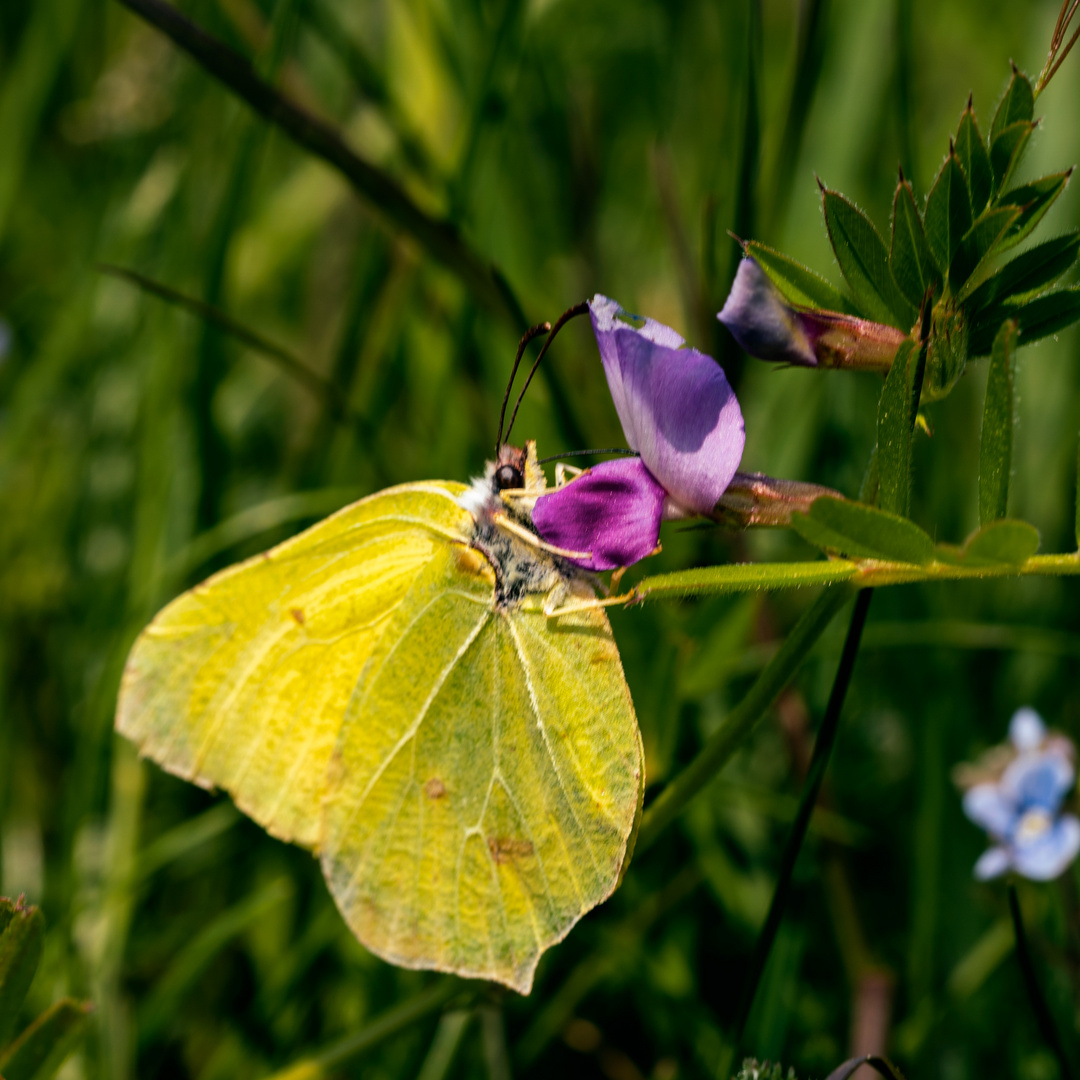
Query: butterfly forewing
(486, 781)
(242, 683)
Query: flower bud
(767, 327)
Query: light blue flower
(1022, 810)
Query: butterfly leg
(565, 473)
(553, 606)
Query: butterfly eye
(508, 476)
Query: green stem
(818, 764)
(383, 1027)
(722, 745)
(1043, 1018)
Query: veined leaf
(20, 952)
(995, 456)
(41, 1049)
(799, 284)
(896, 421)
(971, 151)
(1077, 529)
(1028, 272)
(948, 211)
(911, 260)
(862, 531)
(1001, 542)
(1018, 104)
(745, 577)
(1032, 200)
(974, 257)
(1007, 150)
(864, 261)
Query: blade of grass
(720, 747)
(444, 1046)
(384, 1026)
(810, 42)
(818, 764)
(439, 238)
(321, 387)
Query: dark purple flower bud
(612, 511)
(767, 327)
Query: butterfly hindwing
(242, 682)
(487, 778)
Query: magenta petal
(675, 405)
(611, 511)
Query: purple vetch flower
(767, 327)
(1021, 810)
(680, 415)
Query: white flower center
(1032, 825)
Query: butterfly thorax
(501, 503)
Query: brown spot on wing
(505, 848)
(434, 788)
(298, 615)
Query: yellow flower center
(1032, 825)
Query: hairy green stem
(722, 745)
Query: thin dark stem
(439, 238)
(722, 744)
(1043, 1018)
(532, 332)
(564, 318)
(315, 382)
(815, 774)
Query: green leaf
(948, 351)
(1007, 150)
(897, 410)
(864, 532)
(1028, 272)
(1018, 104)
(974, 257)
(911, 260)
(1048, 314)
(971, 151)
(948, 211)
(41, 1049)
(745, 577)
(995, 457)
(20, 952)
(1077, 509)
(864, 261)
(1005, 542)
(1033, 200)
(799, 285)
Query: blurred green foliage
(580, 148)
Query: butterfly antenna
(589, 453)
(564, 318)
(523, 344)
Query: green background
(585, 147)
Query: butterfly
(425, 694)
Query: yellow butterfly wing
(487, 781)
(242, 682)
(471, 773)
